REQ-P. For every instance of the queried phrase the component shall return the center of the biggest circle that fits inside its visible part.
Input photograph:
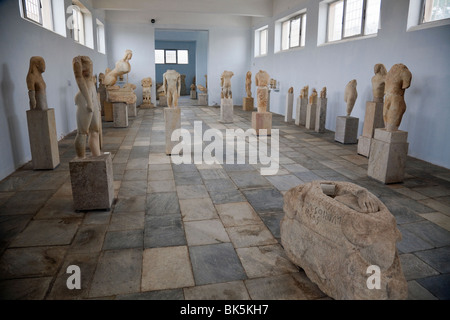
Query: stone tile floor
(199, 231)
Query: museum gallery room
(225, 150)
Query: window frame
(258, 43)
(101, 39)
(422, 15)
(24, 8)
(362, 31)
(176, 56)
(301, 16)
(78, 15)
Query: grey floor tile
(307, 176)
(429, 232)
(24, 289)
(226, 196)
(252, 179)
(280, 287)
(208, 261)
(265, 200)
(284, 182)
(25, 202)
(215, 185)
(187, 178)
(192, 192)
(417, 292)
(162, 203)
(272, 220)
(164, 231)
(234, 290)
(171, 294)
(133, 188)
(411, 242)
(414, 268)
(88, 239)
(135, 175)
(125, 239)
(438, 258)
(130, 204)
(127, 221)
(439, 286)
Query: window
(100, 37)
(82, 24)
(163, 56)
(78, 25)
(434, 10)
(351, 18)
(261, 39)
(293, 32)
(38, 11)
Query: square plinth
(373, 118)
(387, 160)
(289, 106)
(92, 182)
(364, 146)
(248, 104)
(147, 106)
(162, 101)
(172, 120)
(346, 130)
(202, 99)
(300, 115)
(226, 110)
(43, 139)
(132, 110)
(108, 111)
(311, 116)
(193, 94)
(260, 121)
(321, 115)
(120, 111)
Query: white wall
(425, 52)
(229, 41)
(21, 40)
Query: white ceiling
(249, 8)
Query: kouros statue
(291, 90)
(337, 232)
(88, 115)
(323, 93)
(225, 83)
(146, 84)
(398, 79)
(304, 92)
(350, 96)
(36, 84)
(262, 80)
(248, 84)
(172, 87)
(122, 67)
(378, 82)
(313, 97)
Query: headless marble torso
(226, 84)
(248, 84)
(172, 87)
(36, 84)
(378, 82)
(350, 96)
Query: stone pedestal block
(172, 120)
(311, 116)
(147, 106)
(226, 110)
(300, 116)
(202, 99)
(193, 94)
(321, 115)
(92, 182)
(132, 110)
(43, 139)
(289, 106)
(387, 158)
(364, 144)
(120, 111)
(262, 120)
(346, 129)
(108, 111)
(162, 101)
(248, 104)
(373, 118)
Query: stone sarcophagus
(339, 232)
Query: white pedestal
(262, 120)
(289, 106)
(132, 110)
(388, 154)
(300, 115)
(43, 139)
(321, 115)
(248, 104)
(226, 110)
(202, 99)
(311, 116)
(92, 182)
(120, 112)
(373, 119)
(172, 120)
(346, 129)
(193, 94)
(162, 101)
(364, 144)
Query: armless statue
(36, 84)
(172, 87)
(88, 115)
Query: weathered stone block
(346, 129)
(248, 104)
(108, 111)
(289, 106)
(226, 110)
(120, 111)
(132, 110)
(92, 182)
(193, 94)
(364, 144)
(373, 118)
(172, 119)
(321, 115)
(43, 139)
(388, 154)
(202, 99)
(262, 120)
(311, 116)
(335, 231)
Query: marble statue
(350, 96)
(88, 115)
(262, 79)
(146, 84)
(323, 93)
(202, 88)
(193, 87)
(398, 79)
(313, 97)
(183, 91)
(225, 83)
(304, 92)
(122, 67)
(378, 82)
(36, 84)
(248, 84)
(291, 90)
(172, 87)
